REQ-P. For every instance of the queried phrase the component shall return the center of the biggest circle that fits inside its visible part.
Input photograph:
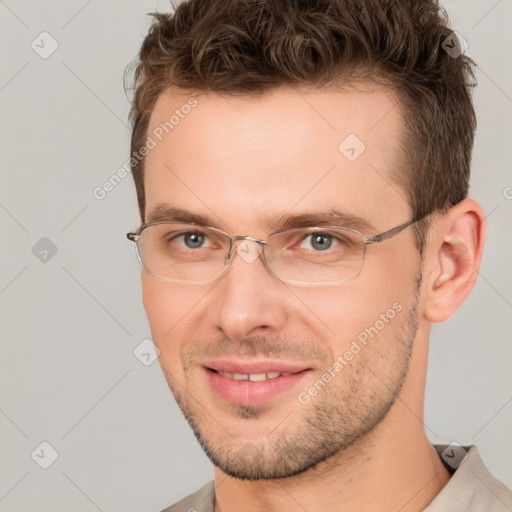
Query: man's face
(243, 162)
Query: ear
(453, 259)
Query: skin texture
(360, 443)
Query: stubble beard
(347, 409)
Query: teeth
(254, 377)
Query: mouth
(253, 383)
(254, 377)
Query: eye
(318, 241)
(191, 239)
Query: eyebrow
(166, 213)
(326, 217)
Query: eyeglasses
(192, 253)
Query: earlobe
(455, 256)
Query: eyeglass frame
(380, 237)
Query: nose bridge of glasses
(247, 247)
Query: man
(302, 173)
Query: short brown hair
(251, 46)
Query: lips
(252, 383)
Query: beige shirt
(471, 488)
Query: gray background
(70, 324)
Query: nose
(248, 300)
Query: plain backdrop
(71, 310)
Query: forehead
(244, 158)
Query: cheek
(171, 310)
(342, 312)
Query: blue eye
(187, 240)
(320, 241)
(193, 240)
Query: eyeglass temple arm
(391, 232)
(135, 235)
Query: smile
(253, 383)
(254, 377)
